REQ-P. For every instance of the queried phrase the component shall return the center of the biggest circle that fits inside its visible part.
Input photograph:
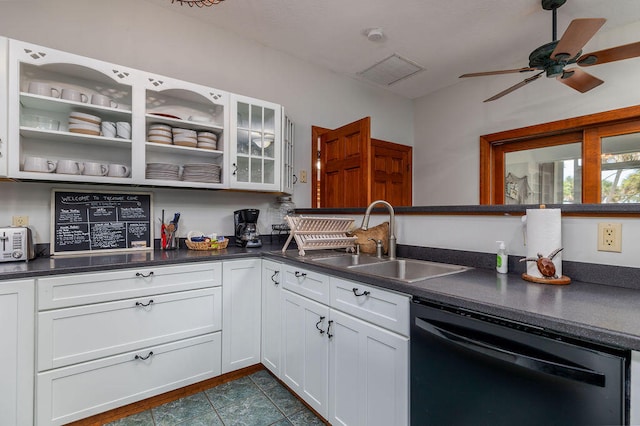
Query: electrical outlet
(303, 176)
(20, 221)
(610, 237)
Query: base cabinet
(271, 316)
(16, 356)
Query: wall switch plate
(303, 176)
(610, 237)
(20, 221)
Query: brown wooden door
(345, 175)
(392, 172)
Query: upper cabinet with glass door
(184, 134)
(4, 57)
(57, 104)
(255, 146)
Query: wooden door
(345, 175)
(392, 172)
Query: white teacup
(43, 89)
(108, 129)
(95, 169)
(69, 167)
(123, 130)
(119, 170)
(39, 164)
(74, 95)
(102, 100)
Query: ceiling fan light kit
(552, 58)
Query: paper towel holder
(547, 269)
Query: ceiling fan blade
(619, 53)
(514, 87)
(480, 74)
(576, 36)
(579, 80)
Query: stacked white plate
(207, 140)
(160, 133)
(185, 137)
(163, 171)
(202, 172)
(80, 122)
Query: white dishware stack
(160, 133)
(163, 171)
(207, 140)
(202, 172)
(185, 137)
(543, 236)
(87, 124)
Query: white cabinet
(307, 283)
(271, 316)
(4, 58)
(288, 154)
(635, 388)
(16, 356)
(108, 339)
(305, 350)
(241, 318)
(255, 146)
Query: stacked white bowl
(185, 137)
(81, 122)
(160, 133)
(207, 140)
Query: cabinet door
(4, 103)
(271, 315)
(288, 155)
(305, 349)
(255, 145)
(241, 299)
(369, 374)
(16, 356)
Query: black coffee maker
(246, 226)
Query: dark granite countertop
(600, 313)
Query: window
(589, 159)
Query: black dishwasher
(469, 368)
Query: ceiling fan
(551, 58)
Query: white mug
(108, 129)
(102, 100)
(38, 164)
(74, 95)
(69, 167)
(118, 170)
(95, 169)
(43, 89)
(123, 130)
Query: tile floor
(254, 400)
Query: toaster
(16, 243)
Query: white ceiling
(447, 37)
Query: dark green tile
(257, 410)
(283, 422)
(139, 419)
(232, 392)
(209, 419)
(263, 379)
(284, 400)
(305, 418)
(181, 410)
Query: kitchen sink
(348, 260)
(409, 270)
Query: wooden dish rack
(319, 233)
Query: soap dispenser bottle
(502, 258)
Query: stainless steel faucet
(392, 225)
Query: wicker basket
(207, 245)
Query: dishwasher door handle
(578, 374)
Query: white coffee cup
(39, 164)
(95, 169)
(102, 100)
(118, 170)
(43, 89)
(74, 95)
(123, 130)
(108, 129)
(69, 167)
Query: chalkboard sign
(91, 221)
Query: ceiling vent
(391, 70)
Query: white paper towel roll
(544, 235)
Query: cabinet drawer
(82, 333)
(79, 289)
(79, 391)
(384, 308)
(313, 285)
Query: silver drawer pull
(364, 293)
(140, 274)
(143, 357)
(143, 305)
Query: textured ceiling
(447, 37)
